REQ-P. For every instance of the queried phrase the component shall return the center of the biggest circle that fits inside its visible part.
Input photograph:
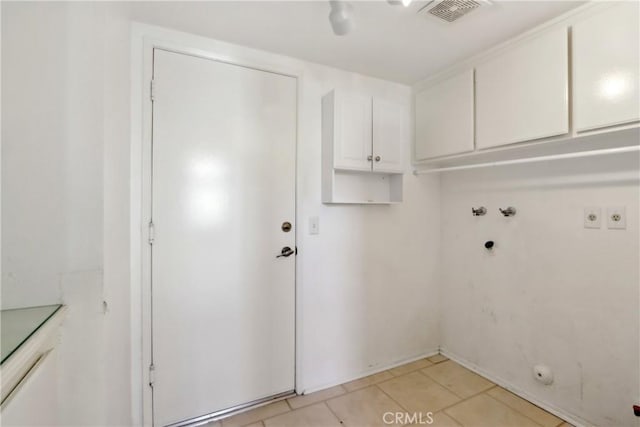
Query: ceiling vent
(451, 10)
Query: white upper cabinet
(352, 131)
(363, 154)
(389, 136)
(522, 93)
(444, 117)
(606, 48)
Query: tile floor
(456, 397)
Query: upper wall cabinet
(367, 134)
(606, 51)
(522, 93)
(444, 117)
(363, 140)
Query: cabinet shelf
(623, 137)
(350, 187)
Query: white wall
(368, 297)
(34, 154)
(368, 280)
(65, 112)
(550, 292)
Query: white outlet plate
(617, 218)
(314, 225)
(592, 217)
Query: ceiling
(389, 42)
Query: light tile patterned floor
(456, 396)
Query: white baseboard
(571, 419)
(367, 372)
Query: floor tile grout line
(461, 397)
(396, 402)
(464, 399)
(531, 403)
(408, 372)
(325, 403)
(390, 397)
(319, 402)
(488, 395)
(289, 405)
(521, 413)
(344, 391)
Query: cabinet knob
(369, 157)
(377, 158)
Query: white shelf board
(623, 137)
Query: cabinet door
(444, 117)
(606, 49)
(389, 136)
(352, 144)
(522, 94)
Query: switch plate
(592, 217)
(314, 225)
(616, 218)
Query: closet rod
(591, 153)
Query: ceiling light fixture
(405, 3)
(341, 17)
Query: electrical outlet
(592, 217)
(616, 218)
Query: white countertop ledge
(26, 356)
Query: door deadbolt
(286, 226)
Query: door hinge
(152, 375)
(153, 90)
(152, 233)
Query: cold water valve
(510, 211)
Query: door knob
(285, 252)
(378, 158)
(369, 157)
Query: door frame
(144, 39)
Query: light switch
(592, 217)
(616, 218)
(314, 225)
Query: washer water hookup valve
(479, 211)
(510, 211)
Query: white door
(224, 141)
(353, 132)
(389, 136)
